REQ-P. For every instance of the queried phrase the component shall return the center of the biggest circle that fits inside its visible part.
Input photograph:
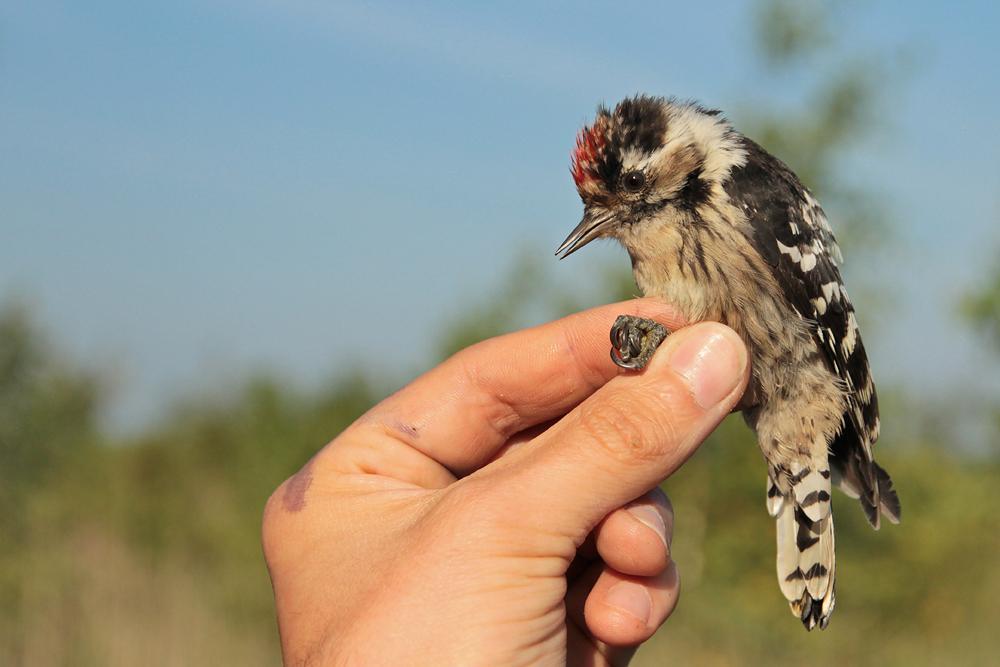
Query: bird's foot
(634, 340)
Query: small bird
(722, 229)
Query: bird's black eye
(633, 181)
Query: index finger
(463, 411)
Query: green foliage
(47, 414)
(46, 409)
(790, 29)
(981, 308)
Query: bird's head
(647, 159)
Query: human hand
(502, 509)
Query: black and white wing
(791, 232)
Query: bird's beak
(594, 225)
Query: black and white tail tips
(806, 559)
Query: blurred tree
(47, 424)
(790, 29)
(46, 407)
(981, 308)
(834, 117)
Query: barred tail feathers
(806, 561)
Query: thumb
(629, 435)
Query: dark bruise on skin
(408, 430)
(294, 498)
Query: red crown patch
(589, 146)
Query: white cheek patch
(713, 136)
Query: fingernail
(711, 362)
(630, 598)
(648, 516)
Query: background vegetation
(145, 550)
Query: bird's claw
(634, 341)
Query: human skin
(502, 508)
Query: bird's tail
(806, 558)
(861, 478)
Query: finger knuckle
(627, 428)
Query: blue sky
(192, 191)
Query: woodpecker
(722, 229)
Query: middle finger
(635, 539)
